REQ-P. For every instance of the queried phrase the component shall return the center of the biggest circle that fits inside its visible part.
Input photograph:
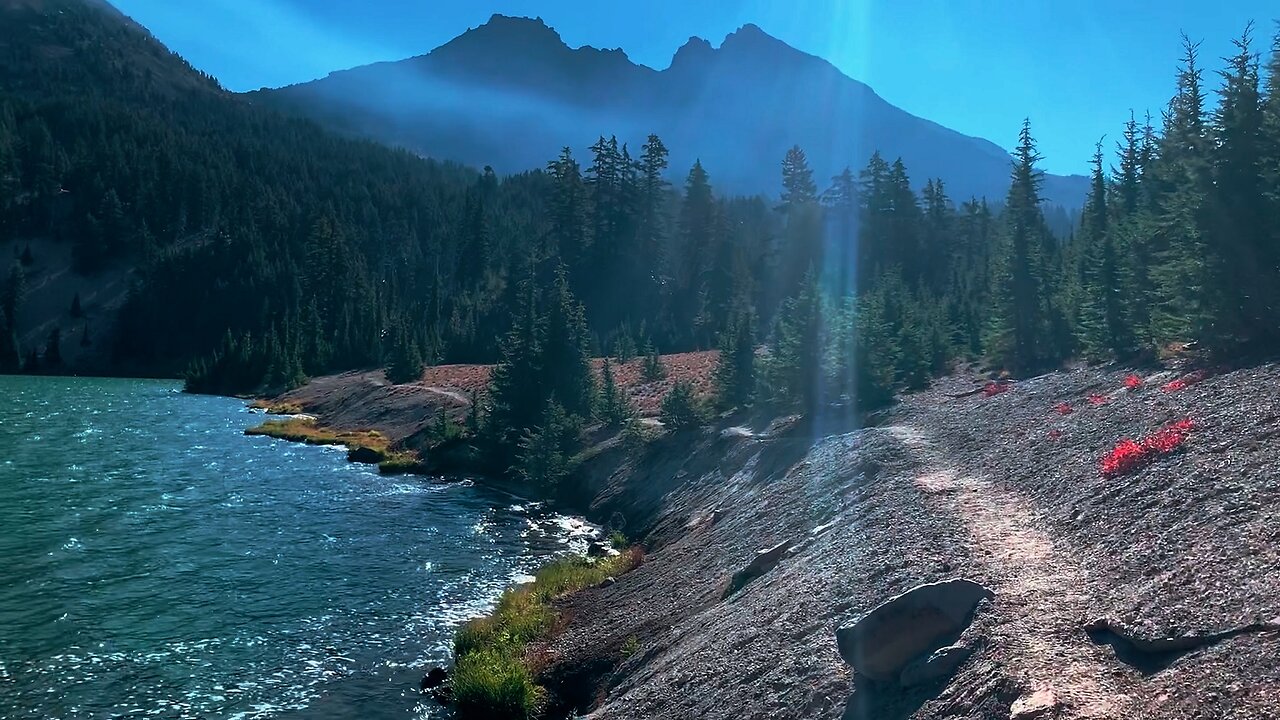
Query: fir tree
(679, 410)
(1020, 332)
(77, 312)
(735, 376)
(1184, 293)
(615, 409)
(792, 373)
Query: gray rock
(884, 641)
(762, 563)
(938, 666)
(434, 679)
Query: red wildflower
(1063, 409)
(1128, 455)
(995, 388)
(1096, 399)
(1133, 382)
(1175, 386)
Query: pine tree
(735, 373)
(77, 312)
(569, 237)
(566, 358)
(654, 370)
(517, 394)
(406, 364)
(1184, 293)
(697, 238)
(615, 409)
(1245, 274)
(802, 244)
(474, 421)
(792, 374)
(679, 410)
(1020, 335)
(1103, 323)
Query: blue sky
(978, 66)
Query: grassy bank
(493, 674)
(305, 430)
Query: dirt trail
(1041, 589)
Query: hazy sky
(1075, 67)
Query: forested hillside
(264, 250)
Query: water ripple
(157, 563)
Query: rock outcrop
(910, 628)
(762, 563)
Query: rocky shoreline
(1151, 593)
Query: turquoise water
(155, 562)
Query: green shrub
(631, 646)
(618, 540)
(679, 408)
(654, 370)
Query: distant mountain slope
(510, 94)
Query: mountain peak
(751, 37)
(693, 50)
(524, 31)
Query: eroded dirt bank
(1180, 557)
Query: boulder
(941, 665)
(435, 678)
(366, 455)
(883, 642)
(763, 562)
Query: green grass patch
(493, 675)
(401, 463)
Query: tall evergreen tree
(1184, 293)
(1020, 333)
(1245, 272)
(1103, 323)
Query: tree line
(267, 251)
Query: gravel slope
(1005, 490)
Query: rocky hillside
(1114, 580)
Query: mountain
(155, 219)
(511, 93)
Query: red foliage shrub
(993, 389)
(1129, 455)
(1096, 399)
(1133, 382)
(1063, 409)
(1185, 381)
(1055, 434)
